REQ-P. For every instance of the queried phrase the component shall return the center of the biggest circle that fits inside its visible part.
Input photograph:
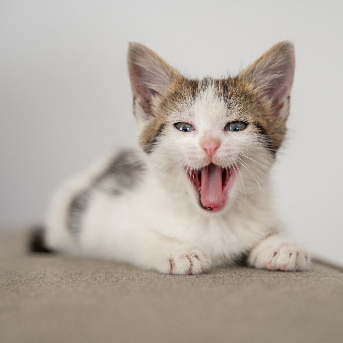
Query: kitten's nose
(210, 147)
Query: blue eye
(184, 127)
(236, 126)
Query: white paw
(278, 253)
(188, 261)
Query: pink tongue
(211, 191)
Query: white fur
(159, 225)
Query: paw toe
(280, 255)
(190, 262)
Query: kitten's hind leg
(278, 253)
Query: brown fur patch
(230, 90)
(255, 109)
(261, 112)
(181, 92)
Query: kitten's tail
(37, 241)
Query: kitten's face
(211, 147)
(212, 139)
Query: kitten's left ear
(272, 74)
(150, 77)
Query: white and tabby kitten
(197, 193)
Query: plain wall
(65, 94)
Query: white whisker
(121, 164)
(235, 167)
(170, 165)
(251, 173)
(251, 159)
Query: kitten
(197, 193)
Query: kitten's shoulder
(120, 172)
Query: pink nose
(210, 147)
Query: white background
(65, 96)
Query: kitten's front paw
(188, 261)
(277, 253)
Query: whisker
(121, 164)
(251, 159)
(260, 148)
(170, 166)
(180, 172)
(235, 167)
(254, 176)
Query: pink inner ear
(272, 74)
(281, 86)
(149, 74)
(140, 91)
(142, 94)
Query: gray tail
(37, 241)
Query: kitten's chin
(212, 185)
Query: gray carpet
(54, 298)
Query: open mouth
(212, 183)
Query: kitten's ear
(272, 74)
(150, 76)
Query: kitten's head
(214, 139)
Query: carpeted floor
(53, 298)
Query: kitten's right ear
(150, 77)
(272, 74)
